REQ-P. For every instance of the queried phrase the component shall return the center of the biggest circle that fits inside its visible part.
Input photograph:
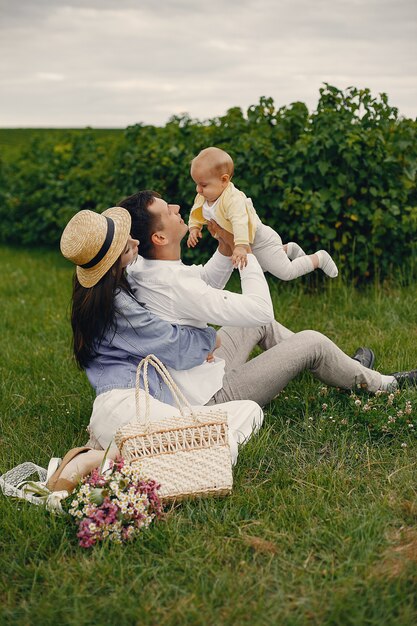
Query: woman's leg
(244, 418)
(116, 408)
(261, 379)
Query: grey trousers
(286, 354)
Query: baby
(219, 200)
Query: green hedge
(342, 178)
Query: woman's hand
(210, 356)
(225, 239)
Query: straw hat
(94, 242)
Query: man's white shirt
(193, 295)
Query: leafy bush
(50, 182)
(342, 178)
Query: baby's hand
(210, 357)
(194, 236)
(240, 257)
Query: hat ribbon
(105, 247)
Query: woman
(112, 332)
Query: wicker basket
(189, 455)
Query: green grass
(320, 528)
(13, 140)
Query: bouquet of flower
(114, 505)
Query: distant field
(12, 140)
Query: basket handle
(180, 400)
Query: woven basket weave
(189, 455)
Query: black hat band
(105, 247)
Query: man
(194, 295)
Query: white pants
(268, 249)
(117, 407)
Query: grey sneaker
(406, 379)
(365, 356)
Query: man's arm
(191, 296)
(217, 271)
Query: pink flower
(102, 514)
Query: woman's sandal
(55, 483)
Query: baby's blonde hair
(216, 160)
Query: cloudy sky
(108, 63)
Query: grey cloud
(30, 11)
(101, 62)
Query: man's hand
(240, 256)
(194, 236)
(225, 239)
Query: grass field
(321, 525)
(13, 140)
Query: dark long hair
(93, 311)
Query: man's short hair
(144, 223)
